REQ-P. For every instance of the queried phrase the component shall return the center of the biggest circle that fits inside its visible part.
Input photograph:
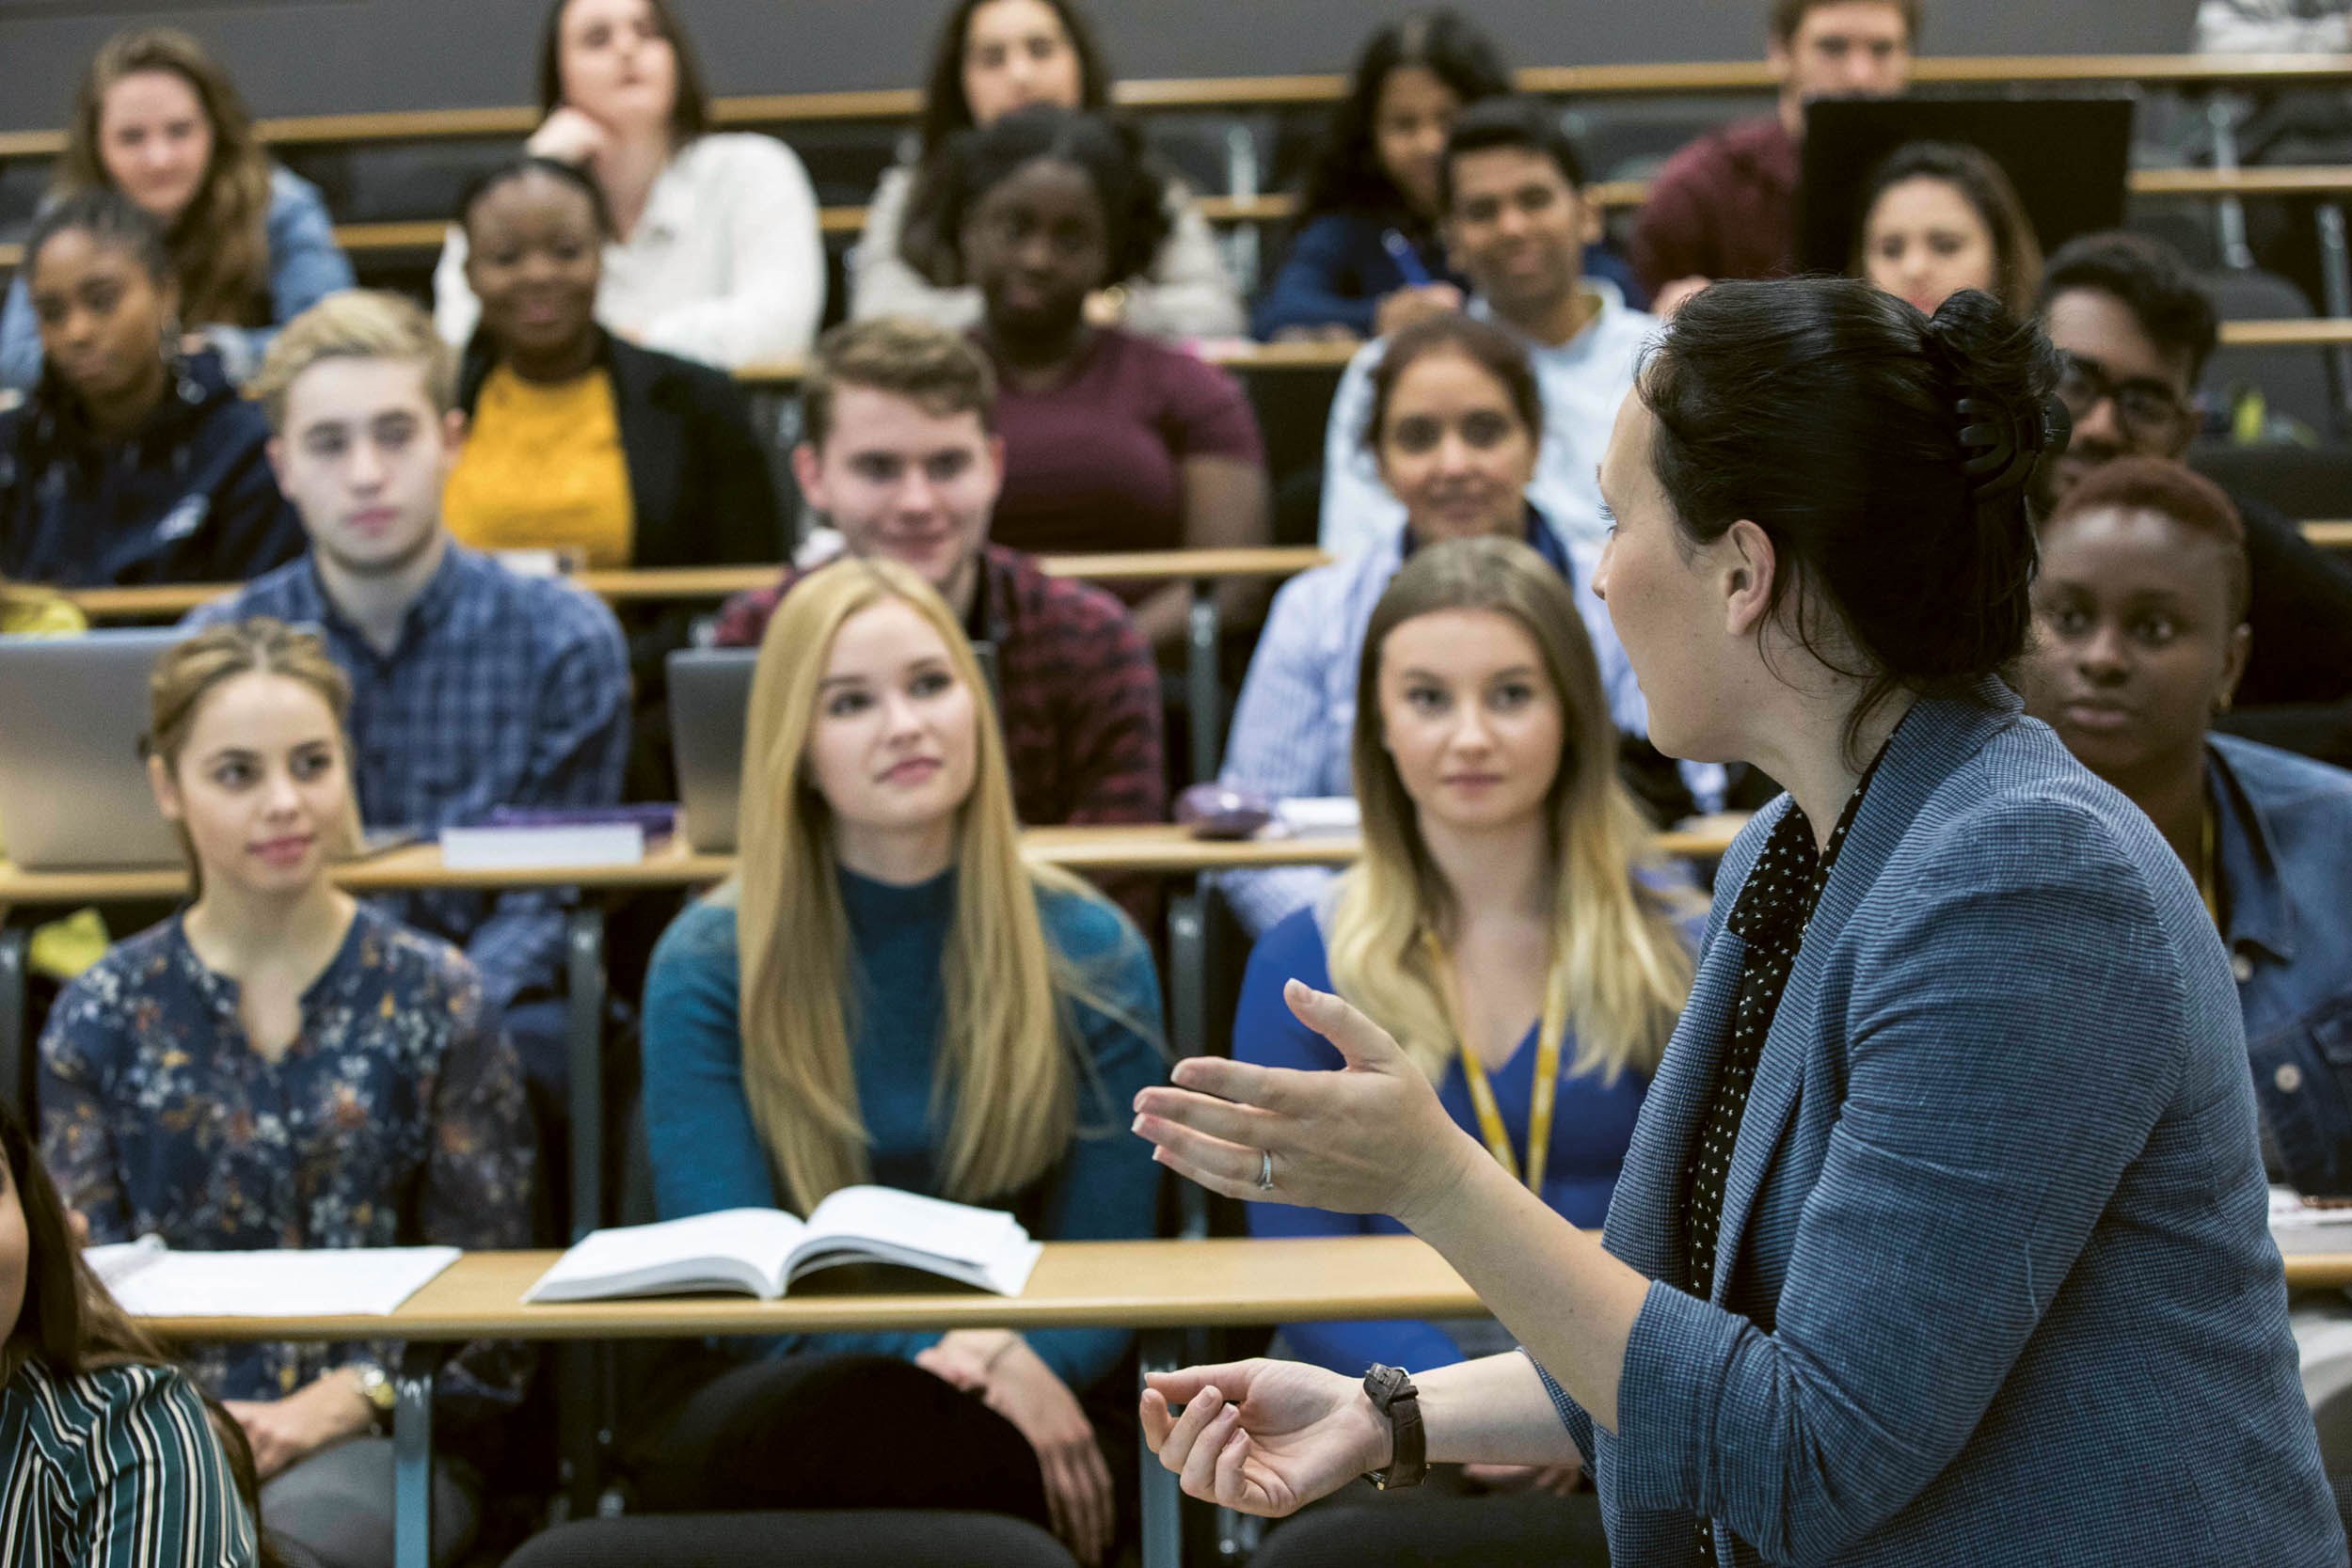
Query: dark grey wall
(323, 56)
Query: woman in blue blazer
(1942, 1231)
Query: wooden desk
(1157, 1288)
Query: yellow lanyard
(1554, 1029)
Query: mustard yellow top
(543, 470)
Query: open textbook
(152, 1281)
(761, 1251)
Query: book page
(911, 1223)
(733, 1249)
(325, 1283)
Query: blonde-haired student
(889, 993)
(1503, 924)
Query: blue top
(305, 266)
(706, 1150)
(1995, 1236)
(396, 1117)
(503, 691)
(116, 1469)
(2283, 839)
(188, 497)
(1591, 1123)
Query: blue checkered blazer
(1996, 1284)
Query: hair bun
(2002, 374)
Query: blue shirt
(2282, 855)
(1338, 271)
(188, 497)
(396, 1117)
(706, 1150)
(305, 266)
(1592, 1124)
(503, 691)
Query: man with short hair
(899, 452)
(473, 687)
(1725, 205)
(1512, 190)
(2135, 329)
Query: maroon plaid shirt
(1081, 694)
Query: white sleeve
(1358, 510)
(455, 309)
(1189, 293)
(885, 283)
(774, 294)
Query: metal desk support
(1163, 1497)
(412, 1459)
(1203, 699)
(16, 1062)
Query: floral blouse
(396, 1117)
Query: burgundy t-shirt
(1723, 207)
(1096, 463)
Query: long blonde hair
(189, 673)
(1007, 1057)
(1619, 962)
(221, 242)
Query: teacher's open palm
(1263, 1437)
(1369, 1139)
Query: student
(2141, 604)
(1112, 441)
(899, 452)
(1453, 428)
(994, 58)
(250, 246)
(278, 1066)
(714, 253)
(109, 1457)
(888, 993)
(1726, 206)
(1502, 923)
(1946, 1202)
(473, 686)
(134, 460)
(2135, 329)
(576, 440)
(1938, 217)
(1511, 185)
(1371, 196)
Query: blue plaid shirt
(503, 690)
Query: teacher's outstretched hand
(1372, 1139)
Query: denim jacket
(305, 266)
(2282, 853)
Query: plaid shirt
(503, 690)
(1080, 695)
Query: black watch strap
(1393, 1394)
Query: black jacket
(188, 497)
(698, 476)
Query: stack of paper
(152, 1281)
(2298, 1225)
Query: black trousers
(1446, 1523)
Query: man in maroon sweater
(899, 452)
(1725, 205)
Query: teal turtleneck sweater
(707, 1153)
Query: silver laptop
(73, 792)
(710, 698)
(711, 692)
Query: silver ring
(1265, 1170)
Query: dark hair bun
(1887, 455)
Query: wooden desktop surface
(1157, 1284)
(1161, 848)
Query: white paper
(348, 1282)
(541, 848)
(1319, 816)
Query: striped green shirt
(116, 1468)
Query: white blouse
(727, 265)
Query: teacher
(1942, 1236)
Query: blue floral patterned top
(396, 1117)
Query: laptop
(710, 697)
(2067, 156)
(73, 791)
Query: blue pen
(1408, 260)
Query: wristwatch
(377, 1390)
(1391, 1392)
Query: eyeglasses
(2149, 412)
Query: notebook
(760, 1252)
